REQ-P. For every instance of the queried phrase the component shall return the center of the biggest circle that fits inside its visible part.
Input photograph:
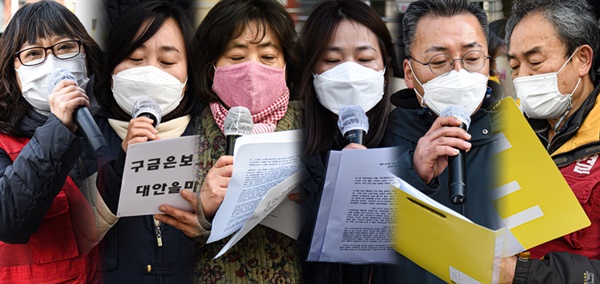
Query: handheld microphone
(146, 106)
(353, 123)
(238, 122)
(82, 117)
(457, 178)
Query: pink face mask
(249, 84)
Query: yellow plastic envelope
(531, 196)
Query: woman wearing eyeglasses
(47, 227)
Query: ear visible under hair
(585, 55)
(408, 75)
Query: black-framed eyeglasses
(37, 55)
(443, 63)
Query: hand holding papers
(352, 220)
(267, 168)
(354, 224)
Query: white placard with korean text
(154, 173)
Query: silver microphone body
(353, 123)
(238, 122)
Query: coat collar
(30, 123)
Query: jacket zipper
(559, 138)
(82, 169)
(83, 175)
(158, 232)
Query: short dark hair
(145, 18)
(317, 35)
(440, 8)
(227, 20)
(30, 23)
(573, 21)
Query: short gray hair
(441, 8)
(573, 21)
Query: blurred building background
(86, 10)
(94, 17)
(91, 12)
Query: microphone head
(148, 107)
(238, 122)
(58, 75)
(352, 117)
(458, 112)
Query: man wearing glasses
(447, 65)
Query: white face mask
(133, 83)
(462, 88)
(349, 84)
(540, 97)
(34, 79)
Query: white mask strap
(561, 68)
(417, 79)
(562, 117)
(422, 99)
(414, 74)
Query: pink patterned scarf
(264, 121)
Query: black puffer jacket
(29, 185)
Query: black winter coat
(29, 185)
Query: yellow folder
(454, 249)
(531, 196)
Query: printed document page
(272, 199)
(266, 168)
(354, 223)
